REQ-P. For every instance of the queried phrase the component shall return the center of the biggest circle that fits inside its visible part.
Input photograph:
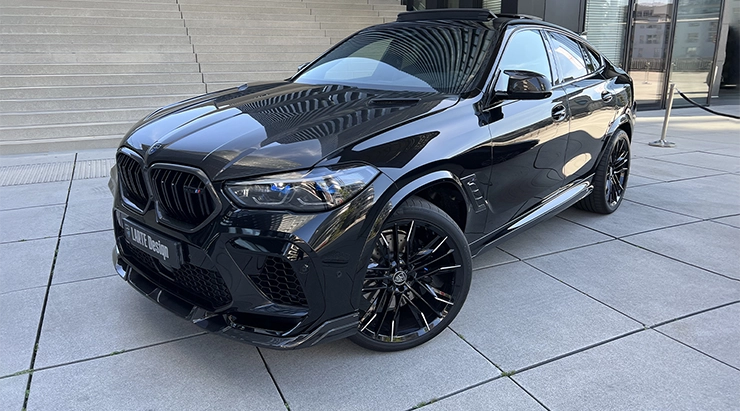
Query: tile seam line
(697, 350)
(98, 357)
(704, 269)
(272, 377)
(715, 173)
(661, 159)
(48, 289)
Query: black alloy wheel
(417, 278)
(610, 180)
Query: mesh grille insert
(278, 282)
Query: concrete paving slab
(33, 195)
(553, 235)
(707, 244)
(630, 218)
(646, 286)
(30, 223)
(13, 392)
(708, 197)
(715, 333)
(201, 373)
(96, 154)
(23, 159)
(636, 181)
(341, 375)
(90, 205)
(499, 394)
(492, 256)
(98, 317)
(643, 371)
(705, 160)
(727, 151)
(731, 220)
(26, 264)
(19, 324)
(664, 171)
(84, 256)
(517, 316)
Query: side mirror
(523, 85)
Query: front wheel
(416, 281)
(610, 179)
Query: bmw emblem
(154, 148)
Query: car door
(529, 137)
(591, 102)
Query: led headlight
(318, 189)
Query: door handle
(606, 96)
(559, 113)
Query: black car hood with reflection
(273, 127)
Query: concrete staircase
(78, 73)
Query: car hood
(273, 127)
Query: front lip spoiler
(330, 330)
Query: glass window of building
(606, 25)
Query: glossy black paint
(486, 160)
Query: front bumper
(222, 324)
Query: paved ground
(636, 311)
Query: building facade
(692, 43)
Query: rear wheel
(417, 278)
(610, 179)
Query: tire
(610, 179)
(411, 296)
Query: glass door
(695, 41)
(651, 37)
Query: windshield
(427, 57)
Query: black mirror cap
(527, 85)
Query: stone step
(259, 56)
(227, 24)
(340, 33)
(94, 48)
(257, 40)
(97, 91)
(172, 13)
(91, 21)
(257, 48)
(88, 30)
(345, 6)
(66, 69)
(225, 15)
(99, 103)
(242, 77)
(62, 58)
(221, 86)
(117, 5)
(344, 13)
(342, 25)
(250, 66)
(220, 32)
(64, 130)
(349, 19)
(246, 7)
(59, 144)
(33, 39)
(98, 80)
(230, 3)
(28, 119)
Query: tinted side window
(568, 55)
(526, 51)
(593, 61)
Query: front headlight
(315, 190)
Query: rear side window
(526, 51)
(593, 61)
(569, 57)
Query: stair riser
(75, 39)
(109, 91)
(21, 106)
(260, 49)
(62, 69)
(265, 40)
(227, 24)
(90, 80)
(173, 13)
(90, 30)
(246, 77)
(62, 58)
(220, 32)
(59, 131)
(31, 119)
(118, 5)
(94, 48)
(247, 67)
(91, 21)
(256, 57)
(246, 17)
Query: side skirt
(549, 207)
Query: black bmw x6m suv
(347, 200)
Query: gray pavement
(639, 310)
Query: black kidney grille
(182, 196)
(131, 177)
(278, 282)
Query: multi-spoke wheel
(610, 180)
(417, 278)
